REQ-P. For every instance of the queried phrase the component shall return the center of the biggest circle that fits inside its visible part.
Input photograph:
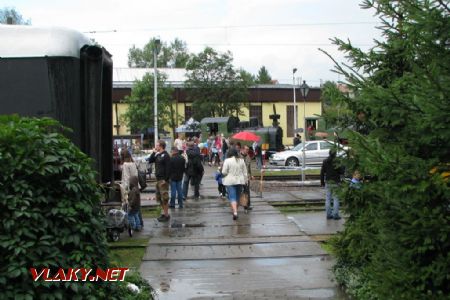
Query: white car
(315, 153)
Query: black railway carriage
(60, 73)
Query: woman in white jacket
(129, 170)
(235, 176)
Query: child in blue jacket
(220, 187)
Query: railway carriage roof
(33, 41)
(215, 120)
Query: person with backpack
(194, 171)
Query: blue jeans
(258, 162)
(234, 192)
(133, 219)
(331, 194)
(176, 188)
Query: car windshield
(309, 146)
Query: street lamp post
(155, 88)
(295, 103)
(304, 89)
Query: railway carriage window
(213, 128)
(312, 146)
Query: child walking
(220, 186)
(134, 202)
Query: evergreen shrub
(396, 240)
(50, 214)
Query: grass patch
(327, 247)
(289, 209)
(127, 257)
(132, 242)
(128, 253)
(287, 172)
(151, 212)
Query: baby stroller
(117, 222)
(116, 218)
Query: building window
(290, 120)
(187, 113)
(256, 112)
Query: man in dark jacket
(330, 177)
(194, 172)
(177, 167)
(162, 172)
(297, 140)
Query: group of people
(184, 168)
(177, 170)
(330, 178)
(130, 191)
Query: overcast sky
(279, 34)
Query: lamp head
(304, 89)
(157, 45)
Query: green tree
(396, 241)
(247, 76)
(214, 86)
(15, 15)
(263, 76)
(335, 111)
(173, 55)
(140, 113)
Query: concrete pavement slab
(269, 278)
(313, 223)
(262, 255)
(251, 250)
(253, 230)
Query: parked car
(315, 153)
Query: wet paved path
(203, 254)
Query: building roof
(125, 77)
(214, 120)
(34, 41)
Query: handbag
(243, 200)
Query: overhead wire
(231, 26)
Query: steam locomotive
(271, 137)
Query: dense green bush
(50, 213)
(396, 240)
(49, 208)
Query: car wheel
(292, 162)
(115, 235)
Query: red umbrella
(246, 136)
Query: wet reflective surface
(203, 254)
